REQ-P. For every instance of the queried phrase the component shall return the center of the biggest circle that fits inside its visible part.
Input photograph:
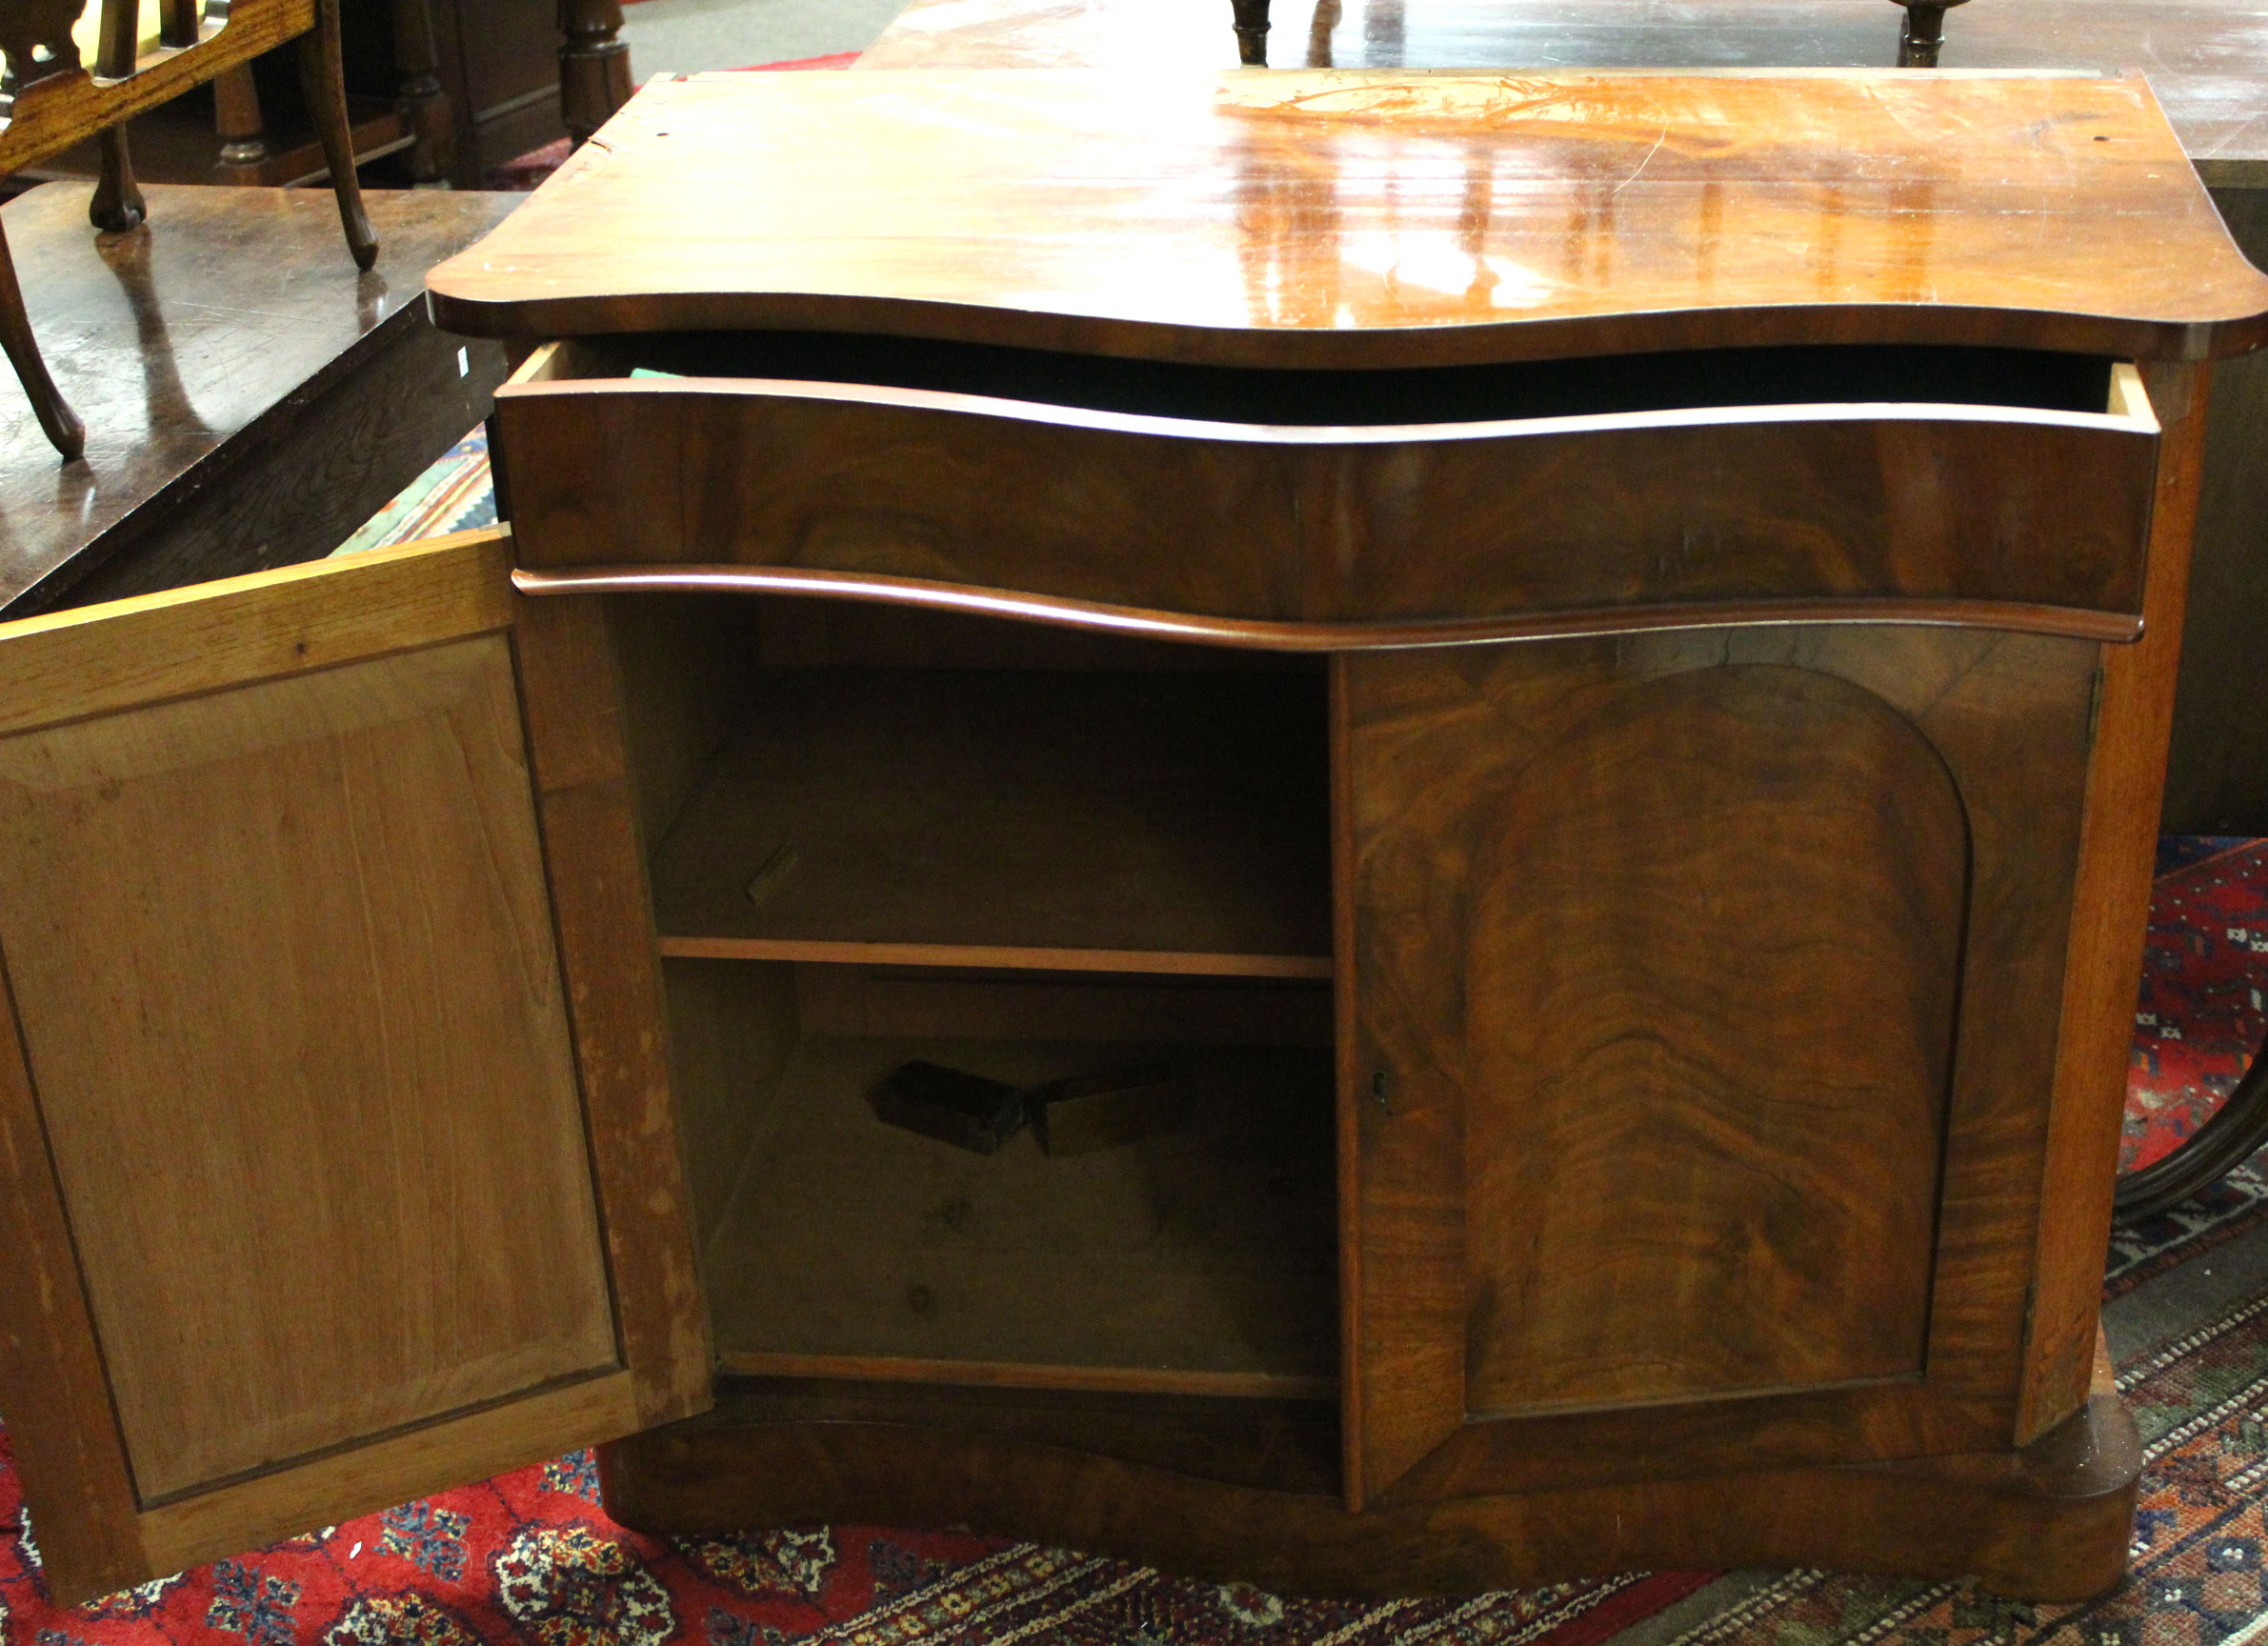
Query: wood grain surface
(57, 110)
(1745, 1025)
(279, 916)
(2204, 59)
(2111, 911)
(1327, 218)
(602, 911)
(219, 1117)
(2008, 718)
(921, 598)
(920, 1003)
(196, 409)
(2217, 779)
(1488, 516)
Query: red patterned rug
(2204, 974)
(531, 1558)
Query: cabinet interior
(877, 836)
(2014, 379)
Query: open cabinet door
(337, 1162)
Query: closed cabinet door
(336, 1162)
(1698, 1046)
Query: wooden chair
(1918, 42)
(53, 101)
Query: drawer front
(1932, 503)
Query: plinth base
(2051, 1522)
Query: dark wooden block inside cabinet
(1584, 658)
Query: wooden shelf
(1106, 822)
(1202, 1262)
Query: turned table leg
(431, 119)
(594, 65)
(1924, 31)
(1251, 33)
(118, 203)
(236, 117)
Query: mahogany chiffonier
(1583, 659)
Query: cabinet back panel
(1142, 812)
(1716, 929)
(286, 970)
(1205, 1250)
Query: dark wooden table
(2206, 60)
(250, 399)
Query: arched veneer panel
(1713, 958)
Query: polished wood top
(2207, 60)
(1327, 218)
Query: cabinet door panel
(1704, 995)
(282, 955)
(321, 1139)
(1714, 932)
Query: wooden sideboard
(1587, 657)
(2207, 64)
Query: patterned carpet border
(455, 494)
(531, 1558)
(2204, 993)
(2201, 1404)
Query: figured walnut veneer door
(1700, 1046)
(281, 943)
(1709, 992)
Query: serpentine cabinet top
(1362, 219)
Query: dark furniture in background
(226, 438)
(1920, 36)
(456, 88)
(53, 99)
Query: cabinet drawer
(1966, 482)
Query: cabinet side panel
(292, 1008)
(572, 696)
(1709, 970)
(2125, 788)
